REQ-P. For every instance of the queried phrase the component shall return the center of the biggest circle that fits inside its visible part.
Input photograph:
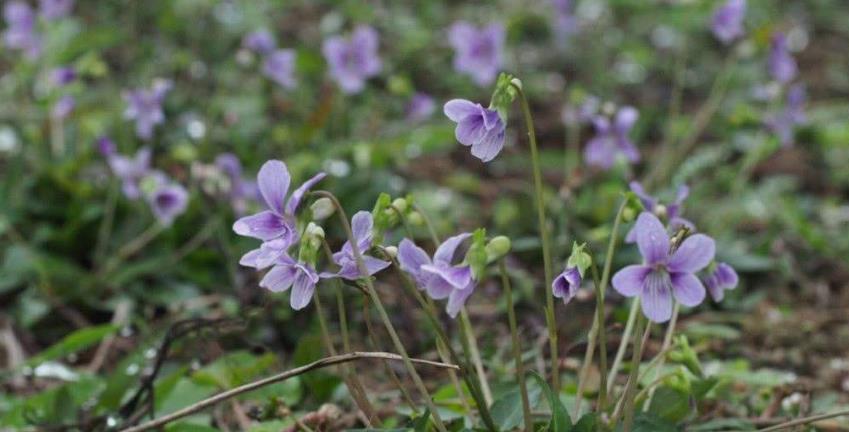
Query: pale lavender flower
(727, 21)
(477, 51)
(145, 107)
(439, 277)
(782, 66)
(20, 31)
(793, 114)
(288, 273)
(565, 286)
(279, 66)
(241, 190)
(612, 139)
(723, 277)
(664, 275)
(353, 61)
(420, 107)
(478, 127)
(167, 201)
(105, 146)
(671, 211)
(259, 41)
(55, 9)
(361, 226)
(565, 22)
(63, 107)
(585, 112)
(62, 76)
(131, 170)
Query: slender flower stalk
(517, 347)
(667, 342)
(627, 401)
(384, 316)
(543, 233)
(623, 345)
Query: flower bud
(660, 211)
(579, 258)
(322, 209)
(476, 256)
(628, 214)
(314, 230)
(415, 218)
(497, 248)
(686, 356)
(400, 204)
(392, 251)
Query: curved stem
(517, 347)
(623, 345)
(667, 343)
(805, 420)
(631, 387)
(543, 233)
(475, 354)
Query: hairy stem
(623, 345)
(517, 347)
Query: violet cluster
(353, 60)
(22, 32)
(278, 65)
(612, 139)
(144, 106)
(478, 51)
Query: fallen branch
(804, 421)
(318, 364)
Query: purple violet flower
(722, 278)
(477, 51)
(55, 9)
(612, 139)
(20, 31)
(420, 107)
(353, 61)
(793, 114)
(63, 107)
(361, 225)
(62, 76)
(671, 212)
(663, 274)
(565, 286)
(145, 107)
(782, 66)
(478, 127)
(288, 273)
(259, 41)
(439, 277)
(727, 21)
(167, 201)
(130, 171)
(565, 22)
(105, 146)
(279, 66)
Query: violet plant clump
(144, 106)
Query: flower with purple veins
(612, 139)
(782, 66)
(671, 212)
(353, 61)
(20, 31)
(420, 107)
(288, 273)
(361, 226)
(793, 114)
(439, 277)
(664, 274)
(279, 66)
(63, 107)
(477, 51)
(145, 107)
(720, 279)
(167, 201)
(130, 171)
(565, 286)
(259, 41)
(478, 127)
(727, 21)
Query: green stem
(667, 343)
(631, 387)
(623, 345)
(517, 347)
(474, 352)
(384, 316)
(805, 420)
(543, 233)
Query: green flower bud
(311, 243)
(322, 209)
(415, 218)
(400, 204)
(476, 257)
(686, 356)
(579, 258)
(392, 251)
(497, 248)
(504, 94)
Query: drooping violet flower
(727, 21)
(241, 190)
(130, 170)
(722, 278)
(353, 61)
(62, 76)
(288, 273)
(612, 139)
(278, 222)
(105, 146)
(20, 31)
(478, 127)
(439, 277)
(145, 107)
(167, 201)
(782, 66)
(420, 107)
(279, 67)
(259, 41)
(670, 212)
(63, 107)
(565, 286)
(361, 226)
(477, 51)
(55, 9)
(663, 274)
(793, 114)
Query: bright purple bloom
(145, 107)
(167, 201)
(565, 286)
(20, 31)
(663, 274)
(361, 226)
(279, 67)
(353, 61)
(63, 107)
(439, 277)
(727, 22)
(278, 222)
(478, 127)
(259, 41)
(420, 107)
(62, 76)
(612, 139)
(793, 114)
(105, 146)
(55, 9)
(131, 171)
(477, 51)
(782, 66)
(722, 278)
(671, 212)
(288, 273)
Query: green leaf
(507, 410)
(587, 423)
(670, 404)
(560, 421)
(76, 341)
(644, 422)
